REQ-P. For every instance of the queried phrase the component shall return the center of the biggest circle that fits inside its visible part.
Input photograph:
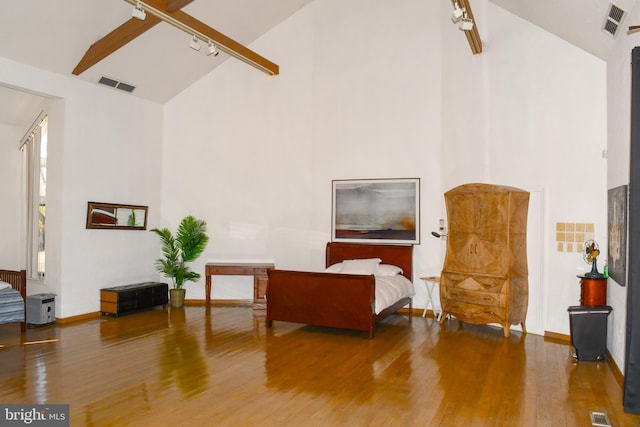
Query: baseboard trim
(416, 312)
(556, 336)
(78, 318)
(617, 373)
(219, 302)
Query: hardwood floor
(222, 367)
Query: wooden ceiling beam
(122, 35)
(171, 11)
(226, 44)
(114, 41)
(173, 5)
(188, 23)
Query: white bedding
(390, 289)
(391, 285)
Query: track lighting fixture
(138, 12)
(462, 15)
(466, 23)
(201, 32)
(195, 43)
(457, 12)
(211, 49)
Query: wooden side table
(431, 282)
(259, 271)
(593, 291)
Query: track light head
(466, 24)
(195, 44)
(211, 49)
(138, 12)
(457, 13)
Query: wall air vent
(116, 84)
(614, 18)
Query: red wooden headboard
(400, 255)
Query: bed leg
(371, 333)
(269, 323)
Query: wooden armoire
(485, 278)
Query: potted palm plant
(187, 245)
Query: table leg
(430, 285)
(207, 289)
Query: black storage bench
(128, 298)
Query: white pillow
(4, 285)
(388, 270)
(360, 266)
(335, 268)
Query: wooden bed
(335, 300)
(18, 281)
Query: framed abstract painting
(617, 232)
(376, 211)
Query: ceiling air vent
(614, 18)
(118, 85)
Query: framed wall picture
(116, 216)
(617, 231)
(376, 211)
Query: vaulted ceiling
(54, 36)
(579, 22)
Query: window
(36, 152)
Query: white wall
(358, 97)
(11, 196)
(103, 146)
(619, 135)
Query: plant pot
(176, 297)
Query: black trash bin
(589, 331)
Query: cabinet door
(461, 212)
(478, 226)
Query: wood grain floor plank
(222, 367)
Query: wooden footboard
(321, 299)
(335, 300)
(18, 281)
